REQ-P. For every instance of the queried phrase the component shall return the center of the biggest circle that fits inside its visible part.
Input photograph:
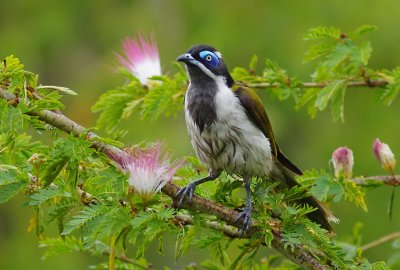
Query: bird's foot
(187, 190)
(246, 217)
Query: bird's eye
(211, 58)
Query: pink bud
(343, 160)
(384, 155)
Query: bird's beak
(187, 58)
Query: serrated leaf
(329, 91)
(11, 118)
(253, 63)
(130, 107)
(84, 216)
(363, 29)
(12, 181)
(187, 240)
(322, 32)
(58, 88)
(339, 54)
(337, 107)
(52, 171)
(318, 50)
(58, 246)
(111, 104)
(9, 190)
(365, 51)
(46, 194)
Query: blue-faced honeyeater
(230, 131)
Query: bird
(230, 131)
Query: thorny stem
(380, 241)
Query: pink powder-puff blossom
(141, 57)
(149, 170)
(343, 161)
(384, 155)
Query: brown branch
(300, 256)
(380, 241)
(390, 180)
(366, 83)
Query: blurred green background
(71, 43)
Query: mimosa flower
(149, 170)
(141, 57)
(343, 161)
(384, 155)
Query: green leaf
(112, 104)
(11, 118)
(47, 194)
(329, 92)
(339, 54)
(53, 170)
(362, 30)
(337, 107)
(189, 235)
(12, 181)
(365, 51)
(58, 88)
(58, 246)
(9, 190)
(166, 98)
(322, 32)
(253, 63)
(318, 51)
(84, 216)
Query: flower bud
(384, 155)
(343, 161)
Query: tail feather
(321, 215)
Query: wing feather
(256, 113)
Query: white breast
(232, 143)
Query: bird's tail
(321, 215)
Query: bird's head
(204, 63)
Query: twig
(380, 241)
(366, 83)
(299, 256)
(390, 180)
(229, 231)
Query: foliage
(71, 184)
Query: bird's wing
(256, 113)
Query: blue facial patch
(209, 58)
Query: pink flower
(149, 170)
(384, 155)
(141, 57)
(343, 160)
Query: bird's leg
(246, 213)
(189, 189)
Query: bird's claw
(187, 190)
(246, 217)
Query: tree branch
(366, 83)
(299, 255)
